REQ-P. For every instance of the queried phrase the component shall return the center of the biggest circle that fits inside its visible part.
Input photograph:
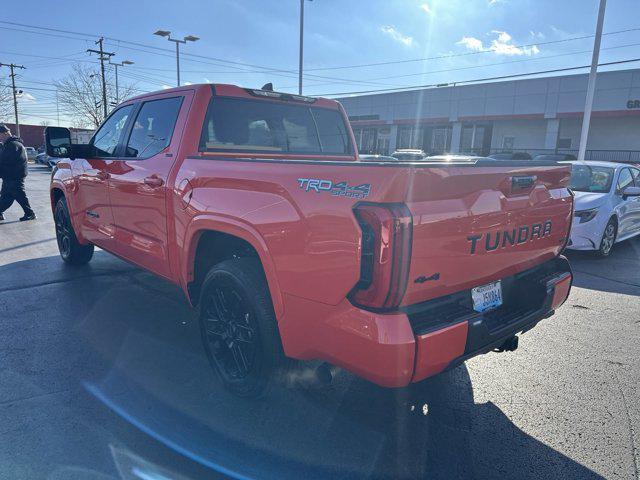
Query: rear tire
(71, 251)
(608, 238)
(239, 329)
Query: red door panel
(140, 182)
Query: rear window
(240, 125)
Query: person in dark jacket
(13, 170)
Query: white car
(607, 205)
(31, 153)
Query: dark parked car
(559, 157)
(409, 154)
(377, 158)
(510, 156)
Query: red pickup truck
(257, 205)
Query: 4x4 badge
(337, 189)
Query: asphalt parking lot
(102, 375)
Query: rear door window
(153, 128)
(240, 125)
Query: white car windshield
(587, 178)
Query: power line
(486, 79)
(244, 64)
(488, 50)
(483, 65)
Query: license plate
(487, 296)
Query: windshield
(587, 178)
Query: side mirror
(58, 142)
(630, 192)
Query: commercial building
(33, 135)
(538, 115)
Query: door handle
(153, 181)
(103, 175)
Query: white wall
(528, 133)
(621, 133)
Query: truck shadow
(618, 273)
(129, 341)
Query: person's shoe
(28, 216)
(1, 217)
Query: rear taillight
(387, 231)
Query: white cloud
(166, 87)
(502, 45)
(188, 83)
(503, 37)
(539, 35)
(206, 80)
(26, 97)
(471, 43)
(391, 31)
(426, 8)
(495, 2)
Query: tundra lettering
(257, 206)
(524, 234)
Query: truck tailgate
(473, 225)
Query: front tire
(608, 238)
(239, 329)
(71, 251)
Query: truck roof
(228, 90)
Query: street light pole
(177, 41)
(301, 47)
(121, 64)
(591, 86)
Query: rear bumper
(394, 350)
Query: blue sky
(477, 38)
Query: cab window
(106, 139)
(153, 127)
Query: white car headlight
(586, 215)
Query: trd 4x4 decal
(338, 189)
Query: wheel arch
(56, 193)
(210, 240)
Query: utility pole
(103, 56)
(15, 92)
(591, 87)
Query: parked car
(409, 154)
(607, 205)
(52, 161)
(254, 203)
(31, 153)
(377, 158)
(510, 156)
(556, 157)
(42, 159)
